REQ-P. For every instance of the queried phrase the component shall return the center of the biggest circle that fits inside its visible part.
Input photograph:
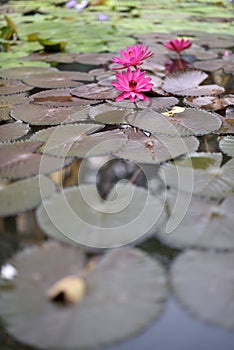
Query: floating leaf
(60, 98)
(210, 102)
(24, 195)
(108, 114)
(52, 45)
(155, 150)
(95, 91)
(17, 160)
(201, 173)
(56, 80)
(155, 103)
(213, 65)
(9, 87)
(187, 84)
(29, 315)
(227, 145)
(203, 284)
(8, 101)
(177, 123)
(73, 140)
(128, 214)
(13, 131)
(20, 73)
(42, 115)
(197, 222)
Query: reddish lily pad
(187, 84)
(60, 98)
(18, 160)
(43, 115)
(95, 91)
(13, 131)
(9, 87)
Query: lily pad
(79, 213)
(9, 87)
(25, 194)
(18, 160)
(201, 173)
(42, 115)
(8, 101)
(196, 222)
(30, 315)
(109, 114)
(187, 84)
(227, 145)
(155, 103)
(75, 140)
(210, 102)
(95, 91)
(213, 65)
(13, 131)
(155, 149)
(182, 122)
(20, 73)
(203, 284)
(56, 80)
(60, 98)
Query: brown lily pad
(95, 91)
(10, 87)
(13, 131)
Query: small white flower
(8, 272)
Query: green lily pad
(155, 149)
(202, 174)
(198, 222)
(182, 123)
(18, 160)
(227, 145)
(203, 284)
(29, 314)
(25, 194)
(187, 84)
(13, 131)
(43, 115)
(128, 214)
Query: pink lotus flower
(177, 45)
(132, 84)
(133, 56)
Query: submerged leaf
(134, 298)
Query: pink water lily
(178, 45)
(132, 83)
(133, 56)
